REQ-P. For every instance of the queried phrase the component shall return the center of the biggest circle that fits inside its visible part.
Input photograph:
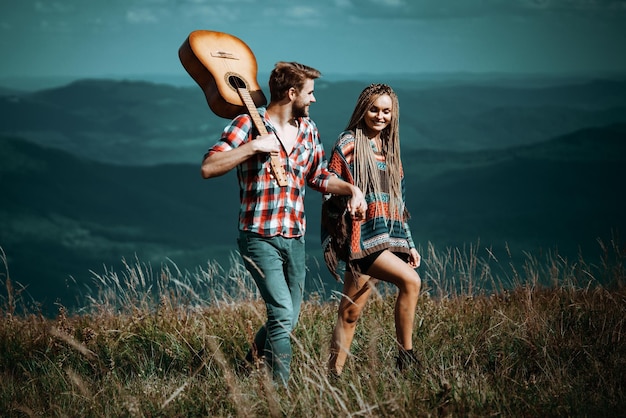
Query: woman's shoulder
(345, 139)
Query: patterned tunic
(382, 231)
(266, 208)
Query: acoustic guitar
(225, 69)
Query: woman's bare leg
(390, 268)
(352, 302)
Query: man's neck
(281, 115)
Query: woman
(378, 247)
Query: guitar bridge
(224, 54)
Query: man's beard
(300, 111)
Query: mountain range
(141, 123)
(99, 172)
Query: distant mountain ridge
(134, 123)
(142, 123)
(563, 193)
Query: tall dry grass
(546, 339)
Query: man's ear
(292, 93)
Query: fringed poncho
(344, 239)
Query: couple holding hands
(364, 218)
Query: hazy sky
(94, 38)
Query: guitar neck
(277, 168)
(252, 110)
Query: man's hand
(220, 163)
(266, 143)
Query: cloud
(114, 15)
(53, 7)
(451, 9)
(296, 15)
(141, 16)
(302, 12)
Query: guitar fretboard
(277, 168)
(252, 110)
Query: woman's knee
(350, 314)
(412, 283)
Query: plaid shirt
(266, 208)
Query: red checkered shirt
(266, 208)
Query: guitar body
(221, 63)
(225, 69)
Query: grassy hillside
(148, 345)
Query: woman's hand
(357, 205)
(415, 259)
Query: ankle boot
(406, 359)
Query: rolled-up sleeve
(319, 176)
(319, 181)
(234, 135)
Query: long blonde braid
(366, 173)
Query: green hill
(562, 193)
(63, 216)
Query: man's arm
(219, 163)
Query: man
(271, 218)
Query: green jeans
(277, 265)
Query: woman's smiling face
(378, 116)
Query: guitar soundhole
(236, 82)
